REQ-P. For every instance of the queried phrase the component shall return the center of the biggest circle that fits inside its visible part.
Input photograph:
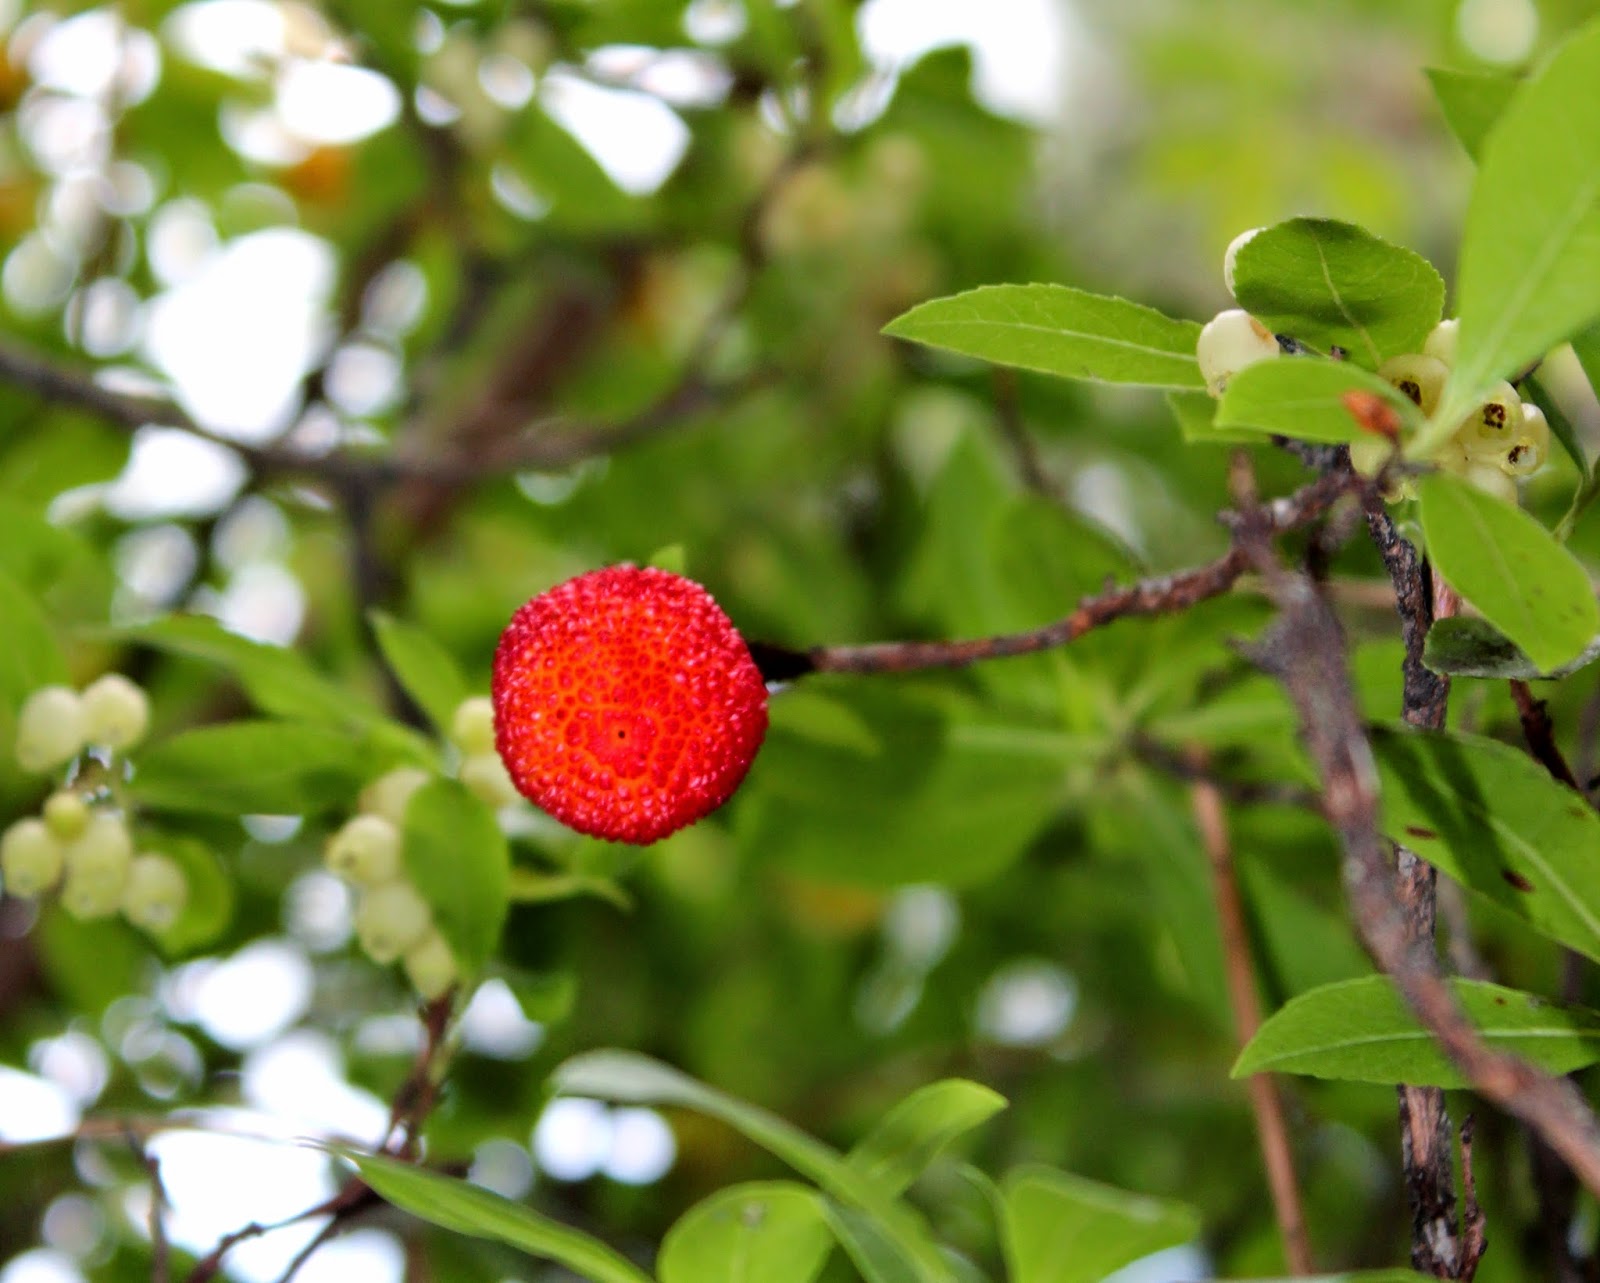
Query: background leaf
(1055, 329)
(30, 656)
(1493, 819)
(911, 1134)
(1061, 1228)
(469, 1209)
(456, 856)
(760, 1232)
(1329, 283)
(619, 1075)
(1362, 1031)
(256, 767)
(425, 668)
(1509, 566)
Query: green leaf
(1493, 819)
(278, 679)
(760, 1232)
(1196, 413)
(1510, 567)
(1362, 1276)
(30, 656)
(468, 1209)
(1303, 398)
(1331, 284)
(456, 856)
(426, 669)
(870, 1250)
(1530, 250)
(1055, 329)
(1061, 1228)
(888, 785)
(1471, 101)
(209, 908)
(246, 768)
(1362, 1031)
(624, 1076)
(1464, 646)
(910, 1136)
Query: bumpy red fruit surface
(626, 703)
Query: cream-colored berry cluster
(1503, 438)
(81, 841)
(393, 922)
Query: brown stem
(1271, 1129)
(1159, 595)
(1425, 1132)
(1306, 651)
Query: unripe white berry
(485, 776)
(87, 896)
(1229, 342)
(116, 712)
(1492, 480)
(31, 857)
(50, 729)
(472, 727)
(1230, 256)
(66, 814)
(103, 850)
(389, 794)
(391, 919)
(1441, 342)
(1421, 378)
(430, 966)
(365, 850)
(1493, 426)
(1531, 447)
(156, 892)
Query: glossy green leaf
(425, 668)
(1510, 567)
(1361, 1276)
(1530, 251)
(909, 1137)
(1493, 819)
(625, 1076)
(465, 1208)
(1465, 646)
(30, 656)
(456, 856)
(1362, 1031)
(761, 1232)
(1471, 102)
(1061, 1228)
(1328, 284)
(1055, 329)
(1303, 398)
(252, 767)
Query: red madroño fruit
(626, 703)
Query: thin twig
(1159, 595)
(1271, 1129)
(160, 1249)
